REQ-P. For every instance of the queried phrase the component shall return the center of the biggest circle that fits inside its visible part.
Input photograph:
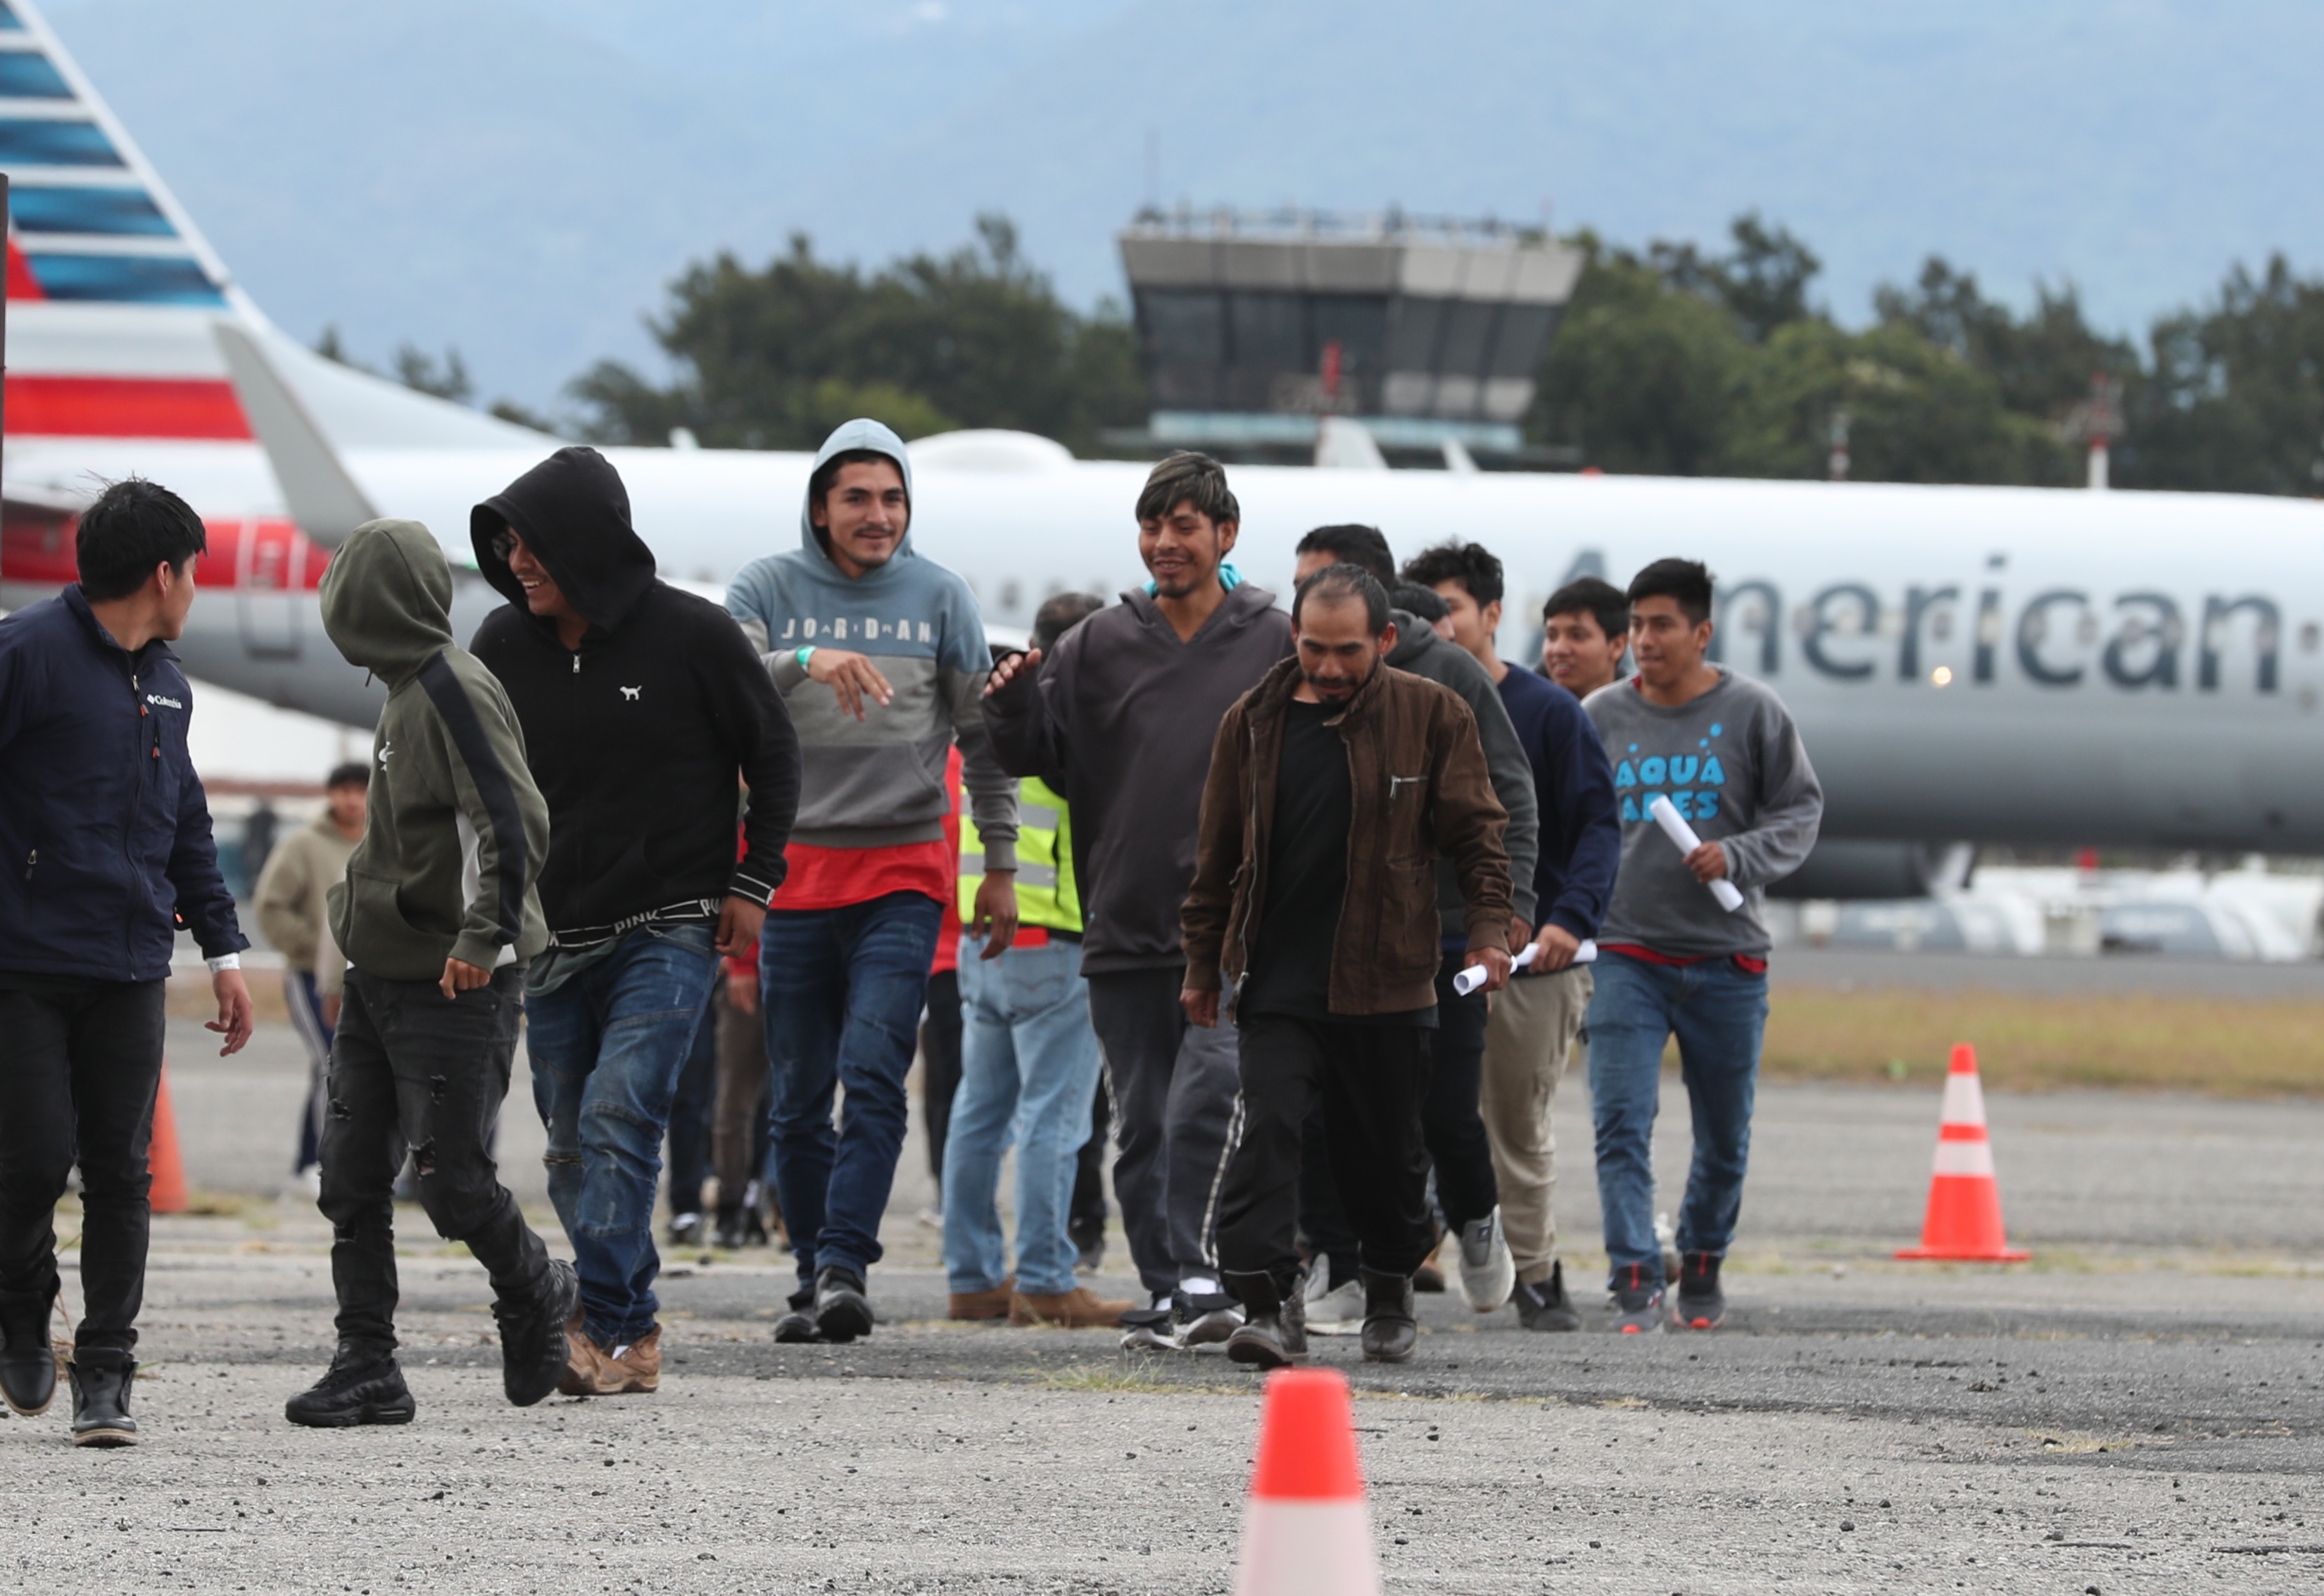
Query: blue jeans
(607, 1048)
(1717, 1012)
(1028, 1069)
(841, 990)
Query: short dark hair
(1337, 584)
(352, 774)
(1472, 565)
(1059, 613)
(1590, 596)
(828, 472)
(1353, 544)
(134, 526)
(1416, 600)
(1685, 580)
(1188, 476)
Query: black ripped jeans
(411, 1068)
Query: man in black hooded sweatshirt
(640, 705)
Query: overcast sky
(519, 178)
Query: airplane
(1966, 664)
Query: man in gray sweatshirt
(1723, 750)
(880, 656)
(1120, 718)
(1466, 1188)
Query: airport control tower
(1254, 326)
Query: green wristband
(802, 652)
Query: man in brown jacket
(1334, 786)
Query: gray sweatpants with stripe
(1174, 1089)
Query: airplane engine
(1850, 868)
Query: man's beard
(1336, 688)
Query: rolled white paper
(1675, 827)
(1473, 977)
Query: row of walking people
(1258, 806)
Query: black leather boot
(28, 1361)
(1274, 1329)
(100, 1388)
(1390, 1327)
(728, 1232)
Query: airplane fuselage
(1979, 664)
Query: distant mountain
(519, 177)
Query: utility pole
(1837, 464)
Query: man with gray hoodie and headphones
(880, 655)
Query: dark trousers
(80, 1063)
(940, 1041)
(412, 1068)
(1174, 1087)
(306, 1007)
(1450, 1118)
(740, 1133)
(689, 1115)
(1088, 1207)
(1325, 1229)
(1371, 1081)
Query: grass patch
(2036, 1043)
(1127, 1376)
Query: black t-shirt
(1307, 876)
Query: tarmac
(2140, 1408)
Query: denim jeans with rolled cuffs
(841, 991)
(1718, 1012)
(1029, 1073)
(608, 1043)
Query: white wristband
(227, 961)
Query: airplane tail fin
(113, 290)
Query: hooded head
(864, 436)
(574, 514)
(387, 599)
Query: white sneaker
(1488, 1273)
(1339, 1311)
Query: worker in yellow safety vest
(1028, 1071)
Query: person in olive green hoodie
(438, 917)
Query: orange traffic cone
(1306, 1532)
(169, 1191)
(1964, 1219)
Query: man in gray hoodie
(880, 658)
(1673, 961)
(1120, 718)
(1466, 1188)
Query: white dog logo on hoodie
(632, 693)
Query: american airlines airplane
(1966, 664)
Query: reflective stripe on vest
(1046, 894)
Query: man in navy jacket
(105, 849)
(1533, 1022)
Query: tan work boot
(982, 1304)
(1078, 1309)
(639, 1364)
(588, 1371)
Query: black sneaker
(686, 1230)
(1271, 1330)
(1149, 1329)
(533, 1349)
(362, 1388)
(797, 1327)
(1637, 1301)
(28, 1358)
(1088, 1237)
(101, 1383)
(1206, 1317)
(1700, 1304)
(1546, 1306)
(842, 1310)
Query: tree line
(1670, 359)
